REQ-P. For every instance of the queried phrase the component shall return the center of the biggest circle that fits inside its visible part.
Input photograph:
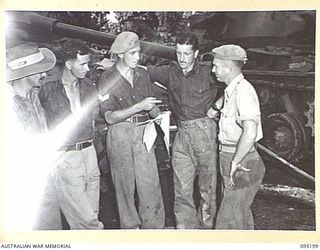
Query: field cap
(124, 41)
(27, 59)
(230, 52)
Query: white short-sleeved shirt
(240, 103)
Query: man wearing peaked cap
(127, 102)
(26, 67)
(230, 52)
(241, 166)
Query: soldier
(26, 68)
(127, 104)
(241, 167)
(191, 91)
(70, 97)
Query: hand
(148, 103)
(212, 113)
(234, 168)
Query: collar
(231, 87)
(75, 84)
(195, 69)
(136, 71)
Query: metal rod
(50, 27)
(63, 29)
(274, 155)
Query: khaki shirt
(240, 103)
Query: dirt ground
(271, 211)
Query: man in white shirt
(241, 166)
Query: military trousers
(76, 177)
(235, 212)
(134, 169)
(48, 214)
(194, 152)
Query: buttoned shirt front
(57, 108)
(190, 95)
(116, 93)
(240, 103)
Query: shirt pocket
(201, 86)
(203, 92)
(141, 93)
(58, 105)
(202, 95)
(124, 101)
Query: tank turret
(281, 51)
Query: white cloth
(150, 133)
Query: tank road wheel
(284, 135)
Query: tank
(22, 26)
(281, 51)
(30, 26)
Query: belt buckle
(78, 145)
(134, 119)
